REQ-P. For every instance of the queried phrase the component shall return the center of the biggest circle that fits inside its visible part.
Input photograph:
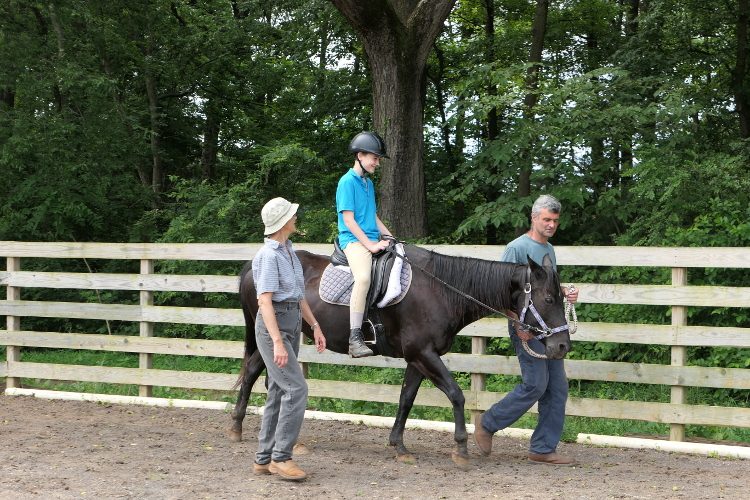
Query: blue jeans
(287, 388)
(544, 381)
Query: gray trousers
(543, 382)
(287, 388)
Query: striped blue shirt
(275, 271)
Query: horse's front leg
(430, 364)
(251, 372)
(412, 379)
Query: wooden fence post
(679, 354)
(146, 361)
(13, 353)
(478, 380)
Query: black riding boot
(357, 347)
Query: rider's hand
(378, 246)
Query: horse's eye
(548, 300)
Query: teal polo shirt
(359, 197)
(518, 249)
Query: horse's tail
(250, 345)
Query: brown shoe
(287, 470)
(300, 449)
(482, 438)
(552, 459)
(260, 469)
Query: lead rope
(569, 308)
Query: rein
(543, 332)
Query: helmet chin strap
(364, 172)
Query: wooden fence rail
(678, 295)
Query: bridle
(543, 330)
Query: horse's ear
(547, 261)
(536, 269)
(532, 263)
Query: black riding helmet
(368, 142)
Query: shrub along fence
(679, 295)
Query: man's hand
(571, 294)
(523, 335)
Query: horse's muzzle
(558, 349)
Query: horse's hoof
(233, 435)
(462, 462)
(300, 449)
(406, 457)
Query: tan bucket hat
(276, 213)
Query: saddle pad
(337, 278)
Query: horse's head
(539, 291)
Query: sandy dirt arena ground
(77, 449)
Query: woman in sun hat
(280, 287)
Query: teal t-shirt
(359, 197)
(518, 249)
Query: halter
(547, 332)
(529, 306)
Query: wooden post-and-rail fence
(678, 295)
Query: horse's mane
(485, 280)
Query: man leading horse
(544, 380)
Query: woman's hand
(280, 356)
(320, 340)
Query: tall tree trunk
(397, 36)
(60, 97)
(631, 17)
(8, 97)
(144, 175)
(445, 130)
(323, 53)
(492, 119)
(210, 144)
(538, 31)
(741, 104)
(155, 133)
(157, 162)
(626, 143)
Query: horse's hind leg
(435, 370)
(251, 372)
(412, 379)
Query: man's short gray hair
(547, 202)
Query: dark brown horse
(422, 327)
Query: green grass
(394, 376)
